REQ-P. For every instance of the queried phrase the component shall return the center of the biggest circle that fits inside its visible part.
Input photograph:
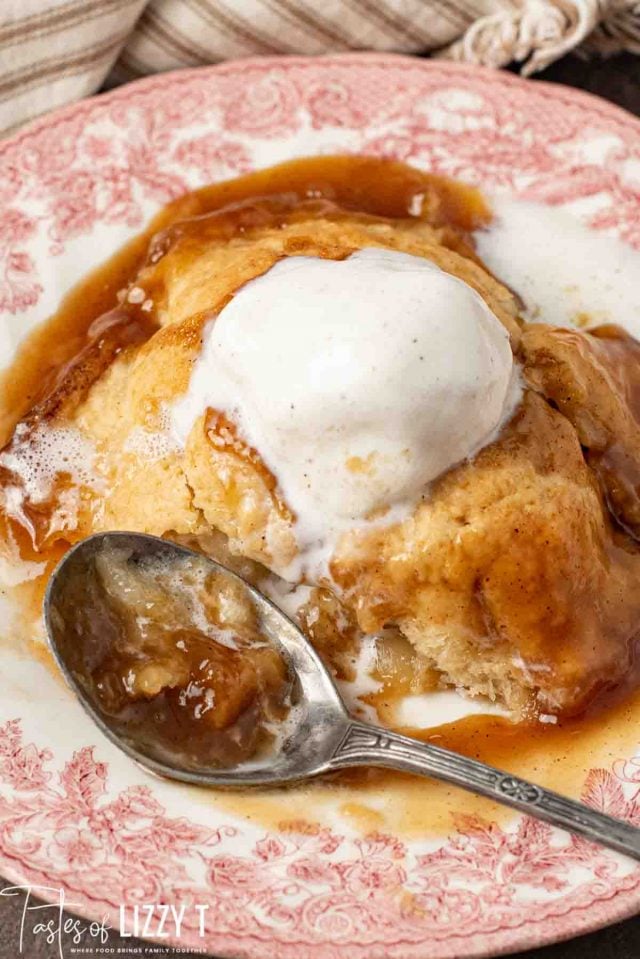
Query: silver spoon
(323, 738)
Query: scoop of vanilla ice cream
(358, 381)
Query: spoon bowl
(320, 736)
(315, 725)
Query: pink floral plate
(74, 813)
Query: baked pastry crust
(511, 578)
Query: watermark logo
(70, 935)
(158, 921)
(54, 928)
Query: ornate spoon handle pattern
(364, 745)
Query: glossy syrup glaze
(173, 657)
(67, 353)
(60, 359)
(365, 185)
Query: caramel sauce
(58, 361)
(173, 656)
(615, 464)
(223, 435)
(86, 329)
(363, 184)
(374, 800)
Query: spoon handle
(364, 745)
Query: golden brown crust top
(510, 578)
(594, 380)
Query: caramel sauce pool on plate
(557, 756)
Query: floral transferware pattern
(84, 179)
(304, 887)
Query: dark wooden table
(618, 80)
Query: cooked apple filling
(175, 656)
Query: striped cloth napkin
(56, 51)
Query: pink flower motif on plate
(76, 848)
(300, 891)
